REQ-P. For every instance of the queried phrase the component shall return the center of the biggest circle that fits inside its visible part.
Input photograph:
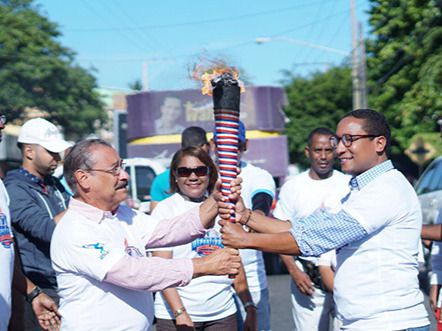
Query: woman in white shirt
(206, 303)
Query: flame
(206, 76)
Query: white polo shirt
(83, 250)
(376, 286)
(6, 259)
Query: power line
(199, 22)
(125, 35)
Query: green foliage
(136, 85)
(316, 101)
(405, 66)
(37, 72)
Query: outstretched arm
(234, 235)
(253, 219)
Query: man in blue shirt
(376, 232)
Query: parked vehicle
(429, 191)
(142, 171)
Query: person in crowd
(98, 249)
(318, 187)
(206, 302)
(170, 111)
(160, 190)
(258, 192)
(43, 306)
(39, 202)
(436, 273)
(376, 232)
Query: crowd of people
(80, 259)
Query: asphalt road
(279, 288)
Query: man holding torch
(376, 232)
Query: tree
(405, 66)
(316, 101)
(37, 72)
(136, 85)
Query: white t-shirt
(301, 196)
(255, 180)
(6, 259)
(376, 285)
(206, 298)
(82, 252)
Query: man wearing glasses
(38, 202)
(376, 232)
(98, 248)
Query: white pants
(316, 312)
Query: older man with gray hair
(98, 248)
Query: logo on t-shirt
(131, 250)
(207, 245)
(5, 232)
(99, 247)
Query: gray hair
(80, 157)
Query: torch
(225, 88)
(226, 100)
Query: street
(281, 320)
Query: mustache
(122, 184)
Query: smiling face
(193, 186)
(321, 156)
(362, 154)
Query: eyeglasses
(3, 119)
(186, 172)
(348, 139)
(115, 171)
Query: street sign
(420, 152)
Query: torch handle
(227, 139)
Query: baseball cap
(42, 132)
(193, 136)
(241, 132)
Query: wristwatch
(179, 312)
(249, 304)
(34, 293)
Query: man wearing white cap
(39, 201)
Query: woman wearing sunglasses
(206, 303)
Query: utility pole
(145, 76)
(362, 68)
(358, 62)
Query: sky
(159, 42)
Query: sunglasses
(186, 172)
